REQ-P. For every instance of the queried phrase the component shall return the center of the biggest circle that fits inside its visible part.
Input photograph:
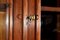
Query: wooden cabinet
(26, 29)
(19, 20)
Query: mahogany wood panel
(25, 14)
(17, 33)
(21, 30)
(31, 26)
(2, 25)
(38, 27)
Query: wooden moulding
(54, 9)
(10, 20)
(38, 28)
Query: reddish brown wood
(2, 26)
(2, 22)
(38, 28)
(53, 9)
(25, 14)
(17, 20)
(10, 12)
(28, 31)
(31, 26)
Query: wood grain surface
(38, 28)
(19, 27)
(22, 30)
(17, 20)
(31, 26)
(2, 26)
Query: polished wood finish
(17, 29)
(3, 22)
(22, 30)
(25, 14)
(2, 25)
(10, 13)
(53, 9)
(31, 25)
(38, 28)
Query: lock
(32, 17)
